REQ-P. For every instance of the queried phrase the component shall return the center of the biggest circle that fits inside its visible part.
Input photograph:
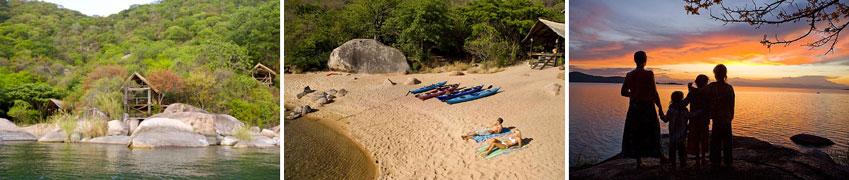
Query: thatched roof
(259, 66)
(58, 103)
(138, 78)
(545, 29)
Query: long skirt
(641, 137)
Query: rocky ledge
(753, 159)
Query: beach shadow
(526, 141)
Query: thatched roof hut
(545, 33)
(139, 96)
(263, 74)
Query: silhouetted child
(697, 135)
(677, 116)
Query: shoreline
(411, 138)
(753, 157)
(338, 127)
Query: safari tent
(545, 43)
(140, 97)
(264, 74)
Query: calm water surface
(597, 117)
(32, 160)
(315, 151)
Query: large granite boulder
(54, 135)
(206, 124)
(367, 56)
(122, 140)
(180, 107)
(39, 130)
(10, 132)
(268, 133)
(117, 128)
(229, 141)
(811, 140)
(165, 132)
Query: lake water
(315, 151)
(32, 160)
(597, 117)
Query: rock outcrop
(258, 141)
(54, 135)
(205, 124)
(412, 81)
(165, 132)
(180, 107)
(229, 141)
(11, 132)
(367, 56)
(122, 140)
(117, 128)
(811, 140)
(39, 130)
(753, 159)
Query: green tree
(24, 113)
(257, 30)
(367, 17)
(177, 33)
(419, 26)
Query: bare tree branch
(825, 17)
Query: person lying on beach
(494, 129)
(503, 142)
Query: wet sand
(414, 139)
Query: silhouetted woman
(642, 129)
(721, 102)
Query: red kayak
(438, 92)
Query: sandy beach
(413, 139)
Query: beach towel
(481, 138)
(498, 151)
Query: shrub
(65, 121)
(111, 104)
(110, 71)
(24, 113)
(168, 82)
(244, 134)
(94, 128)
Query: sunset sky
(605, 34)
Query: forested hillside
(486, 30)
(198, 52)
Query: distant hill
(583, 77)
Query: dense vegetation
(198, 52)
(480, 30)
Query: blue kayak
(473, 96)
(459, 93)
(428, 88)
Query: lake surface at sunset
(597, 117)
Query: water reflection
(29, 160)
(597, 116)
